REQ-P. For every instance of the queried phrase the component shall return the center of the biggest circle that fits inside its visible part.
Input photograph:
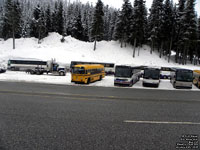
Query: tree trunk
(170, 49)
(139, 50)
(121, 43)
(135, 40)
(161, 49)
(184, 53)
(152, 46)
(95, 44)
(39, 36)
(13, 39)
(177, 54)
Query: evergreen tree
(180, 30)
(48, 19)
(123, 25)
(107, 17)
(69, 19)
(1, 20)
(85, 23)
(77, 31)
(138, 24)
(60, 19)
(113, 25)
(190, 34)
(198, 40)
(97, 25)
(38, 26)
(167, 27)
(54, 18)
(17, 22)
(155, 24)
(7, 20)
(12, 21)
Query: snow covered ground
(108, 81)
(75, 50)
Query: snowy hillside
(74, 50)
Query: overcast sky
(118, 3)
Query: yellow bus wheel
(88, 81)
(100, 78)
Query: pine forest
(165, 27)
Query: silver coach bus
(181, 78)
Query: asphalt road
(55, 117)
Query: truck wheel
(32, 72)
(38, 72)
(61, 73)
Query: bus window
(184, 76)
(151, 74)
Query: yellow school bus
(196, 78)
(87, 73)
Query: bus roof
(90, 66)
(25, 59)
(152, 67)
(128, 66)
(179, 69)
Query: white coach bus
(127, 75)
(151, 76)
(24, 64)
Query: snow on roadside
(108, 81)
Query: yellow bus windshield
(78, 70)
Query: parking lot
(108, 81)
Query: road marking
(161, 122)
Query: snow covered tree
(38, 27)
(54, 18)
(85, 22)
(139, 21)
(12, 21)
(107, 17)
(180, 30)
(155, 22)
(97, 25)
(1, 20)
(123, 25)
(60, 19)
(7, 20)
(190, 32)
(69, 22)
(167, 27)
(198, 40)
(113, 21)
(48, 19)
(77, 30)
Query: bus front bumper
(121, 83)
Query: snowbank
(75, 50)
